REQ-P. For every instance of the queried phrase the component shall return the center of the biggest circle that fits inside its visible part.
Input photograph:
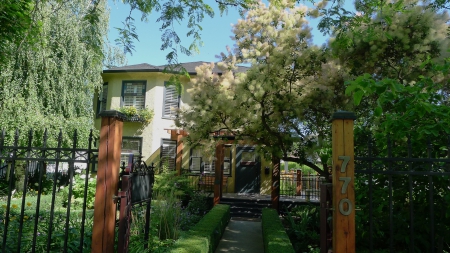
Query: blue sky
(215, 35)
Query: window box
(143, 116)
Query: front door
(248, 170)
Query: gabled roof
(145, 67)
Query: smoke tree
(284, 101)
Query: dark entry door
(248, 170)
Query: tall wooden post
(299, 183)
(275, 193)
(218, 175)
(107, 181)
(343, 182)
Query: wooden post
(275, 183)
(343, 182)
(218, 174)
(107, 181)
(299, 182)
(179, 153)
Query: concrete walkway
(242, 236)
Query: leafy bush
(303, 228)
(197, 207)
(78, 187)
(274, 235)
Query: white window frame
(126, 152)
(171, 101)
(137, 93)
(170, 147)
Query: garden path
(242, 236)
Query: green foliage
(167, 182)
(15, 24)
(142, 115)
(47, 82)
(274, 234)
(205, 236)
(167, 208)
(79, 185)
(198, 205)
(421, 107)
(303, 228)
(58, 227)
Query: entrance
(248, 170)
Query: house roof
(145, 67)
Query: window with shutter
(102, 99)
(169, 153)
(171, 101)
(133, 94)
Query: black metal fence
(300, 185)
(45, 196)
(402, 189)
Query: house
(145, 86)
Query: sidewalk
(242, 236)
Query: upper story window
(171, 101)
(133, 94)
(102, 99)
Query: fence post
(343, 182)
(275, 193)
(218, 173)
(107, 181)
(299, 182)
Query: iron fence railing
(292, 184)
(39, 211)
(402, 189)
(297, 185)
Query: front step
(245, 208)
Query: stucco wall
(154, 96)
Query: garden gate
(136, 188)
(38, 221)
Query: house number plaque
(345, 205)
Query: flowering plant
(143, 115)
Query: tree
(274, 104)
(284, 102)
(49, 80)
(15, 22)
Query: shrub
(205, 236)
(274, 235)
(303, 227)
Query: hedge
(205, 235)
(274, 235)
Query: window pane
(130, 146)
(169, 153)
(134, 94)
(171, 101)
(248, 157)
